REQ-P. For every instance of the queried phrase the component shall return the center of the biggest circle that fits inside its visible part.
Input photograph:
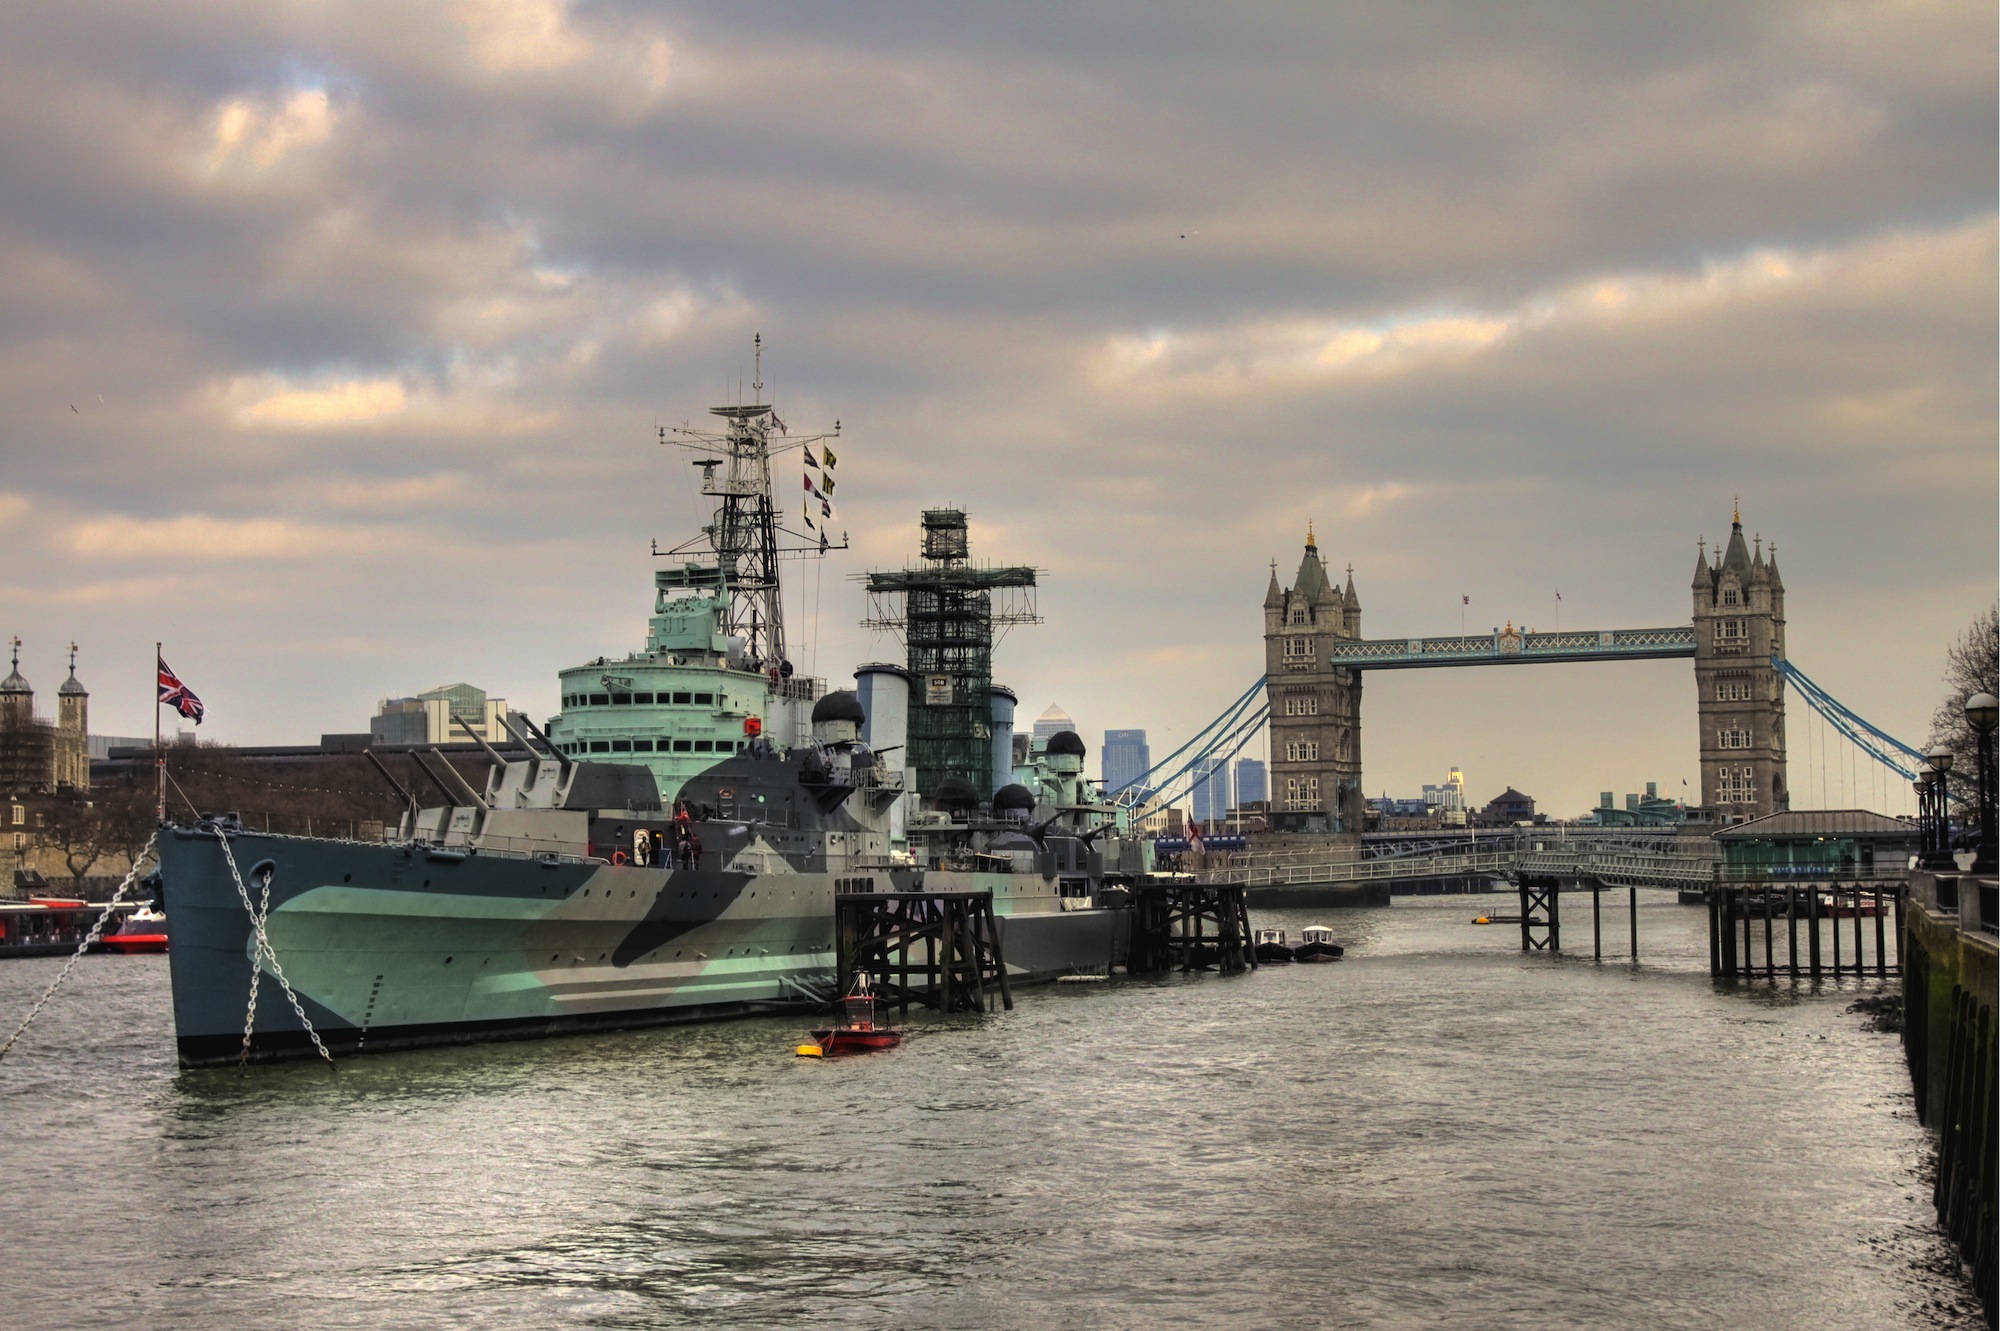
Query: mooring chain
(89, 941)
(256, 967)
(265, 952)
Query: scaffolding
(945, 610)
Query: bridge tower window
(1306, 704)
(1738, 786)
(1733, 739)
(1302, 751)
(1299, 615)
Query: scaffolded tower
(945, 610)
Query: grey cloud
(943, 222)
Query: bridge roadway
(1513, 645)
(1613, 857)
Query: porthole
(347, 878)
(447, 961)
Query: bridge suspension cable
(1205, 739)
(1877, 743)
(1214, 744)
(1140, 801)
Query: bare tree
(1971, 665)
(85, 831)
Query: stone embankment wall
(1949, 968)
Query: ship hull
(394, 946)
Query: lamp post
(1938, 857)
(1926, 784)
(1983, 710)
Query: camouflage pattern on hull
(392, 946)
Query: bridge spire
(1312, 542)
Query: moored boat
(1316, 945)
(1272, 947)
(144, 930)
(858, 1031)
(589, 883)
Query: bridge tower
(1315, 707)
(1739, 625)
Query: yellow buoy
(1482, 920)
(811, 1051)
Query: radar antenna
(738, 552)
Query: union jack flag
(179, 696)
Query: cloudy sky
(333, 339)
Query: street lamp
(1925, 782)
(1938, 857)
(1983, 710)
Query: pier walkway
(1614, 858)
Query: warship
(669, 847)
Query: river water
(1434, 1132)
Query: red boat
(857, 1032)
(144, 930)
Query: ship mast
(742, 540)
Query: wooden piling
(1171, 928)
(1812, 926)
(1792, 929)
(959, 938)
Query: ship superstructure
(715, 672)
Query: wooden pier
(1804, 931)
(1542, 932)
(1190, 926)
(940, 950)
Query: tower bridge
(1315, 660)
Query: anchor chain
(264, 952)
(89, 941)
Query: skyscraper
(1052, 722)
(1211, 791)
(1252, 782)
(1125, 758)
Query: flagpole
(159, 754)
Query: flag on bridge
(179, 696)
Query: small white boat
(1316, 944)
(1271, 946)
